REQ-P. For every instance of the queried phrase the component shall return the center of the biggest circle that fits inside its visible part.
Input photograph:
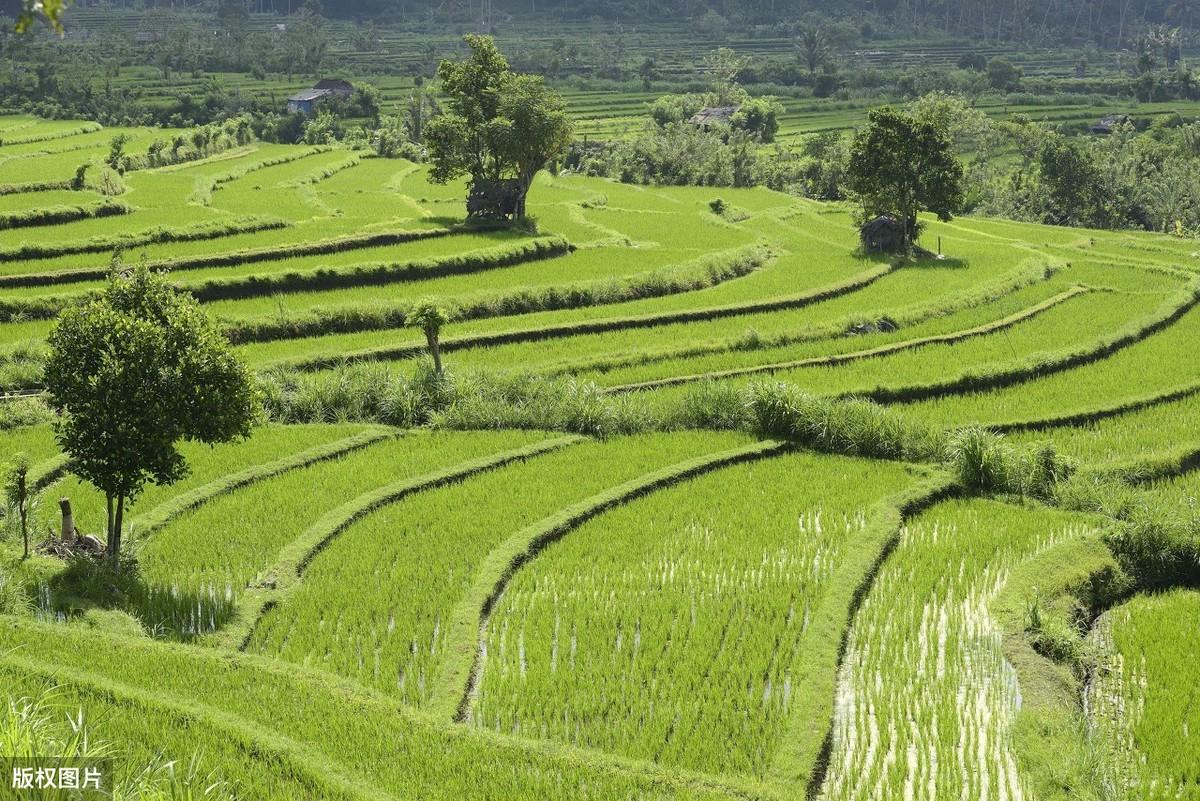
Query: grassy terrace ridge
(289, 568)
(474, 611)
(618, 323)
(882, 350)
(708, 505)
(234, 258)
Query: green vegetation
(1140, 702)
(670, 490)
(132, 374)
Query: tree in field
(1003, 74)
(134, 372)
(18, 495)
(814, 49)
(501, 129)
(900, 166)
(1071, 182)
(430, 317)
(723, 66)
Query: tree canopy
(501, 128)
(900, 166)
(135, 371)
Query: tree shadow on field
(919, 260)
(446, 221)
(934, 263)
(85, 584)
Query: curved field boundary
(308, 680)
(914, 314)
(1050, 691)
(472, 261)
(33, 186)
(691, 276)
(86, 128)
(234, 258)
(1143, 471)
(316, 176)
(21, 394)
(48, 472)
(610, 324)
(455, 689)
(803, 757)
(1099, 413)
(1128, 335)
(299, 760)
(56, 215)
(206, 186)
(146, 524)
(105, 244)
(882, 350)
(294, 559)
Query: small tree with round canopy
(133, 373)
(501, 128)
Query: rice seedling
(284, 732)
(676, 628)
(224, 544)
(376, 604)
(1142, 700)
(926, 700)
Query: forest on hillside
(1105, 22)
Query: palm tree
(814, 49)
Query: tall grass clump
(985, 463)
(852, 427)
(14, 600)
(23, 412)
(373, 391)
(38, 728)
(1157, 546)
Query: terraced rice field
(601, 580)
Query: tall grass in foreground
(39, 729)
(982, 460)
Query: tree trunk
(24, 513)
(115, 521)
(68, 519)
(435, 350)
(120, 524)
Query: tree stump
(68, 520)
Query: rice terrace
(732, 401)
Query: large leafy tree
(48, 11)
(501, 128)
(135, 371)
(900, 166)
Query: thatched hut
(884, 234)
(707, 118)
